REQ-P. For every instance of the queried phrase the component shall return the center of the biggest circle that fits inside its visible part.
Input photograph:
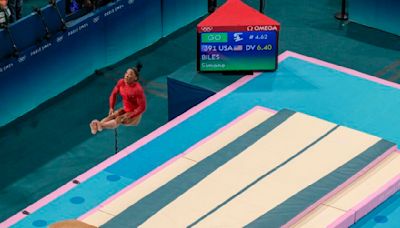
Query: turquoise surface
(297, 85)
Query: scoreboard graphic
(237, 51)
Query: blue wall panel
(5, 45)
(28, 31)
(41, 72)
(380, 14)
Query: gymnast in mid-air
(133, 100)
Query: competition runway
(283, 164)
(243, 164)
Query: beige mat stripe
(322, 215)
(98, 218)
(129, 198)
(334, 151)
(353, 194)
(241, 170)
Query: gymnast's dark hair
(137, 70)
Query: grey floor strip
(151, 204)
(284, 212)
(264, 176)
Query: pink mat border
(63, 189)
(368, 204)
(208, 138)
(340, 187)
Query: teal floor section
(297, 85)
(61, 147)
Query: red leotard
(133, 98)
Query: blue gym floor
(298, 85)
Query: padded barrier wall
(93, 41)
(183, 96)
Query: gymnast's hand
(110, 112)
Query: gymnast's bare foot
(93, 127)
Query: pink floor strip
(161, 130)
(174, 159)
(340, 187)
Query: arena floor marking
(203, 149)
(346, 199)
(266, 154)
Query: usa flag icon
(238, 48)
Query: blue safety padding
(187, 87)
(183, 96)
